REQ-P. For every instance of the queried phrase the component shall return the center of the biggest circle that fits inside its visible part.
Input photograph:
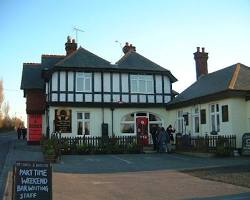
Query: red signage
(35, 127)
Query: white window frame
(195, 115)
(85, 77)
(83, 120)
(180, 121)
(147, 82)
(216, 115)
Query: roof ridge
(234, 77)
(67, 57)
(30, 63)
(124, 57)
(53, 55)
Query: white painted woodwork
(151, 99)
(79, 97)
(97, 82)
(107, 98)
(88, 97)
(70, 81)
(134, 98)
(166, 85)
(124, 82)
(116, 98)
(70, 97)
(98, 98)
(62, 81)
(106, 82)
(62, 97)
(125, 98)
(158, 98)
(54, 81)
(142, 98)
(158, 82)
(116, 82)
(54, 97)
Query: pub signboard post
(32, 181)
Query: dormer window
(141, 84)
(83, 82)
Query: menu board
(32, 180)
(63, 120)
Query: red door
(142, 129)
(35, 128)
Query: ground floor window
(215, 117)
(180, 121)
(83, 123)
(134, 123)
(196, 120)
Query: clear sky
(167, 32)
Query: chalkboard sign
(246, 144)
(32, 180)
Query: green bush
(222, 148)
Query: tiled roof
(233, 78)
(31, 76)
(82, 58)
(134, 61)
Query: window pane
(141, 114)
(154, 118)
(129, 117)
(87, 84)
(142, 86)
(150, 86)
(218, 122)
(86, 115)
(79, 128)
(224, 110)
(203, 116)
(79, 115)
(127, 128)
(212, 108)
(217, 107)
(213, 122)
(86, 128)
(196, 121)
(133, 86)
(79, 84)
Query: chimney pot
(203, 49)
(198, 49)
(70, 47)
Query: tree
(6, 109)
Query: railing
(204, 143)
(90, 144)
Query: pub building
(81, 93)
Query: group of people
(162, 139)
(21, 132)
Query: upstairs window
(141, 84)
(83, 82)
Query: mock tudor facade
(83, 94)
(216, 104)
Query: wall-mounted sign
(32, 180)
(35, 127)
(63, 120)
(246, 144)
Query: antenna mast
(77, 30)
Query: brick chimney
(201, 62)
(70, 46)
(127, 48)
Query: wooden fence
(204, 143)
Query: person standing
(162, 140)
(24, 132)
(154, 135)
(19, 132)
(170, 131)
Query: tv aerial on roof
(77, 29)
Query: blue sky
(167, 32)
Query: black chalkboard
(32, 180)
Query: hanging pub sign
(63, 120)
(32, 180)
(246, 144)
